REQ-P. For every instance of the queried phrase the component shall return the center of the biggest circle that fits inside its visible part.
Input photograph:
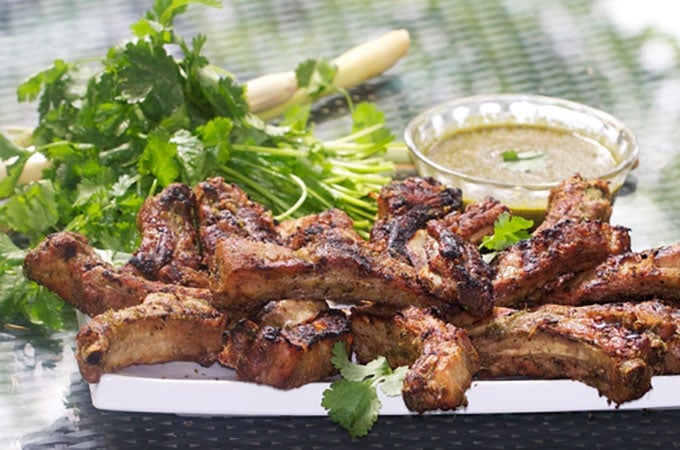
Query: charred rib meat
(170, 248)
(66, 264)
(286, 356)
(441, 357)
(405, 207)
(326, 259)
(524, 271)
(638, 276)
(476, 221)
(578, 200)
(163, 328)
(555, 341)
(225, 210)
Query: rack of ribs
(573, 300)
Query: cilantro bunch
(155, 111)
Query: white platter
(190, 389)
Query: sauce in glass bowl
(523, 154)
(517, 147)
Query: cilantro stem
(246, 181)
(269, 150)
(356, 135)
(299, 202)
(78, 146)
(348, 196)
(365, 166)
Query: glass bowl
(528, 198)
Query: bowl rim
(628, 163)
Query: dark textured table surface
(619, 56)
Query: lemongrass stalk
(269, 96)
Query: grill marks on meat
(163, 328)
(651, 316)
(556, 341)
(422, 258)
(330, 263)
(59, 262)
(284, 353)
(67, 265)
(638, 276)
(326, 259)
(225, 210)
(441, 357)
(170, 248)
(578, 200)
(528, 269)
(442, 374)
(476, 221)
(253, 260)
(405, 207)
(451, 267)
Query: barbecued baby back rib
(224, 210)
(525, 270)
(555, 341)
(170, 249)
(163, 328)
(405, 206)
(642, 275)
(286, 357)
(440, 356)
(68, 266)
(335, 264)
(578, 200)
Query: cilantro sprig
(514, 155)
(154, 111)
(526, 161)
(507, 230)
(352, 401)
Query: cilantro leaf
(528, 161)
(159, 158)
(20, 300)
(32, 211)
(510, 155)
(15, 158)
(514, 155)
(508, 230)
(352, 402)
(366, 116)
(354, 405)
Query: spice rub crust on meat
(68, 266)
(613, 352)
(250, 260)
(441, 358)
(163, 328)
(639, 276)
(289, 345)
(525, 270)
(170, 248)
(591, 309)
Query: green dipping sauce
(522, 154)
